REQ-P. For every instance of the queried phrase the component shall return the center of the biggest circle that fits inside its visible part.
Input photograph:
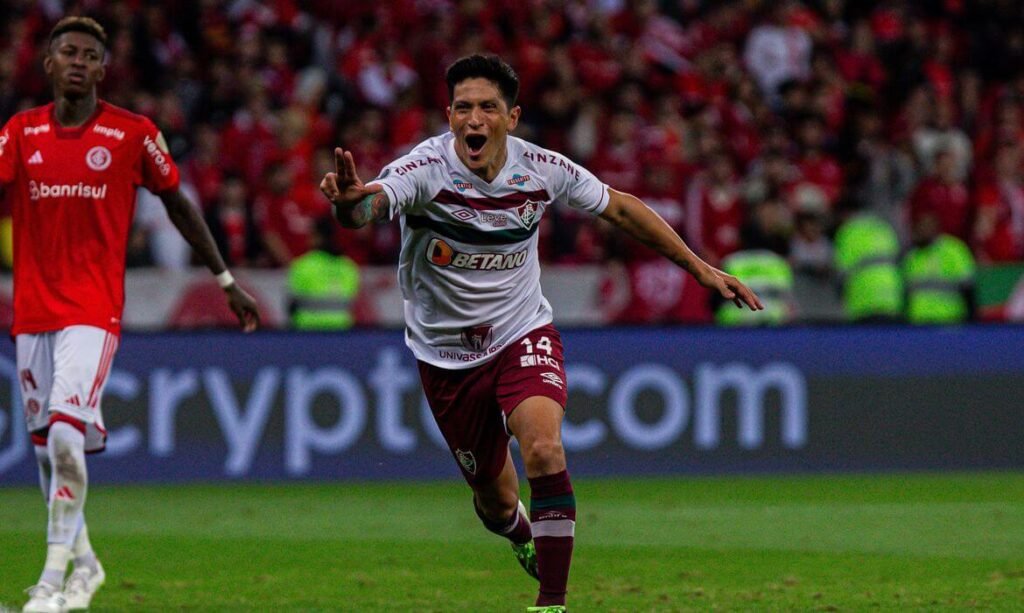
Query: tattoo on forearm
(373, 207)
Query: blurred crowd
(746, 124)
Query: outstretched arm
(630, 214)
(195, 231)
(354, 204)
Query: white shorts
(65, 372)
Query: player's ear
(448, 113)
(514, 117)
(102, 73)
(48, 64)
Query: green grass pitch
(893, 542)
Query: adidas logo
(64, 493)
(37, 158)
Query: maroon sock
(553, 519)
(516, 529)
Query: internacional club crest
(528, 213)
(467, 460)
(98, 158)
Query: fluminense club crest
(529, 213)
(477, 338)
(467, 460)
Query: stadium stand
(755, 123)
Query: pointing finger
(351, 176)
(339, 159)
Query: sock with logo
(553, 522)
(83, 555)
(515, 528)
(66, 447)
(56, 557)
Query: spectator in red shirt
(714, 210)
(615, 161)
(860, 63)
(286, 213)
(944, 196)
(817, 166)
(999, 232)
(204, 167)
(231, 222)
(249, 138)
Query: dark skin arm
(635, 218)
(354, 204)
(194, 230)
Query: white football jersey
(469, 269)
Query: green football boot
(554, 608)
(527, 556)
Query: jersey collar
(480, 184)
(63, 132)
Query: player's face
(480, 119)
(75, 64)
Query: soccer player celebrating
(470, 202)
(71, 169)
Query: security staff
(867, 256)
(939, 273)
(323, 285)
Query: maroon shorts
(472, 405)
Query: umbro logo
(37, 158)
(552, 378)
(463, 214)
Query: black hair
(86, 25)
(490, 67)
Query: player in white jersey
(469, 203)
(481, 271)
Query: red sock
(516, 529)
(553, 518)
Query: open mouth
(475, 143)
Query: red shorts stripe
(106, 358)
(77, 423)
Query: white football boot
(81, 585)
(44, 598)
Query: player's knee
(65, 445)
(498, 506)
(543, 453)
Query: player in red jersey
(70, 170)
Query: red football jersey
(72, 191)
